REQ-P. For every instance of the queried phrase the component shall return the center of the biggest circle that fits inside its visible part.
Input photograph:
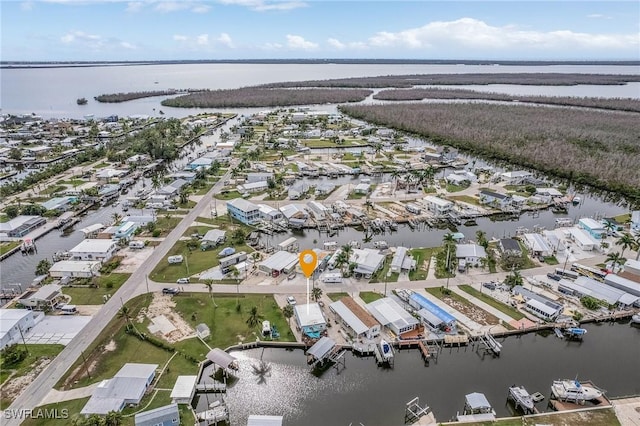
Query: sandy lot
(166, 323)
(132, 259)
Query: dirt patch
(111, 346)
(14, 387)
(475, 313)
(163, 305)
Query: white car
(183, 281)
(291, 300)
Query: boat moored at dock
(521, 398)
(574, 390)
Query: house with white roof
(75, 268)
(470, 254)
(13, 324)
(252, 187)
(127, 387)
(582, 238)
(436, 205)
(43, 299)
(269, 213)
(517, 177)
(391, 315)
(281, 262)
(402, 261)
(537, 245)
(94, 249)
(595, 228)
(310, 319)
(367, 261)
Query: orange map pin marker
(308, 262)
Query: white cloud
(265, 5)
(26, 5)
(94, 41)
(476, 34)
(598, 16)
(200, 8)
(127, 45)
(174, 6)
(80, 36)
(335, 43)
(134, 6)
(298, 42)
(225, 40)
(178, 37)
(202, 39)
(338, 45)
(272, 46)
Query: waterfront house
(91, 249)
(447, 154)
(75, 268)
(127, 387)
(632, 268)
(21, 226)
(59, 204)
(109, 191)
(367, 261)
(402, 261)
(310, 320)
(14, 323)
(582, 238)
(624, 282)
(539, 305)
(297, 190)
(437, 206)
(319, 211)
(167, 415)
(107, 174)
(324, 188)
(509, 246)
(269, 213)
(199, 163)
(593, 227)
(585, 286)
(470, 254)
(258, 177)
(537, 245)
(295, 214)
(140, 220)
(635, 221)
(431, 314)
(413, 208)
(44, 299)
(355, 319)
(281, 262)
(126, 230)
(547, 195)
(362, 188)
(495, 199)
(518, 177)
(391, 315)
(184, 389)
(244, 211)
(458, 179)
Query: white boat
(573, 390)
(381, 244)
(635, 319)
(521, 397)
(216, 413)
(386, 350)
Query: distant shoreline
(71, 64)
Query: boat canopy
(477, 401)
(321, 348)
(220, 358)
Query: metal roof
(256, 420)
(309, 314)
(220, 357)
(349, 317)
(280, 260)
(132, 369)
(321, 348)
(425, 303)
(388, 311)
(184, 386)
(156, 414)
(476, 401)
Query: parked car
(291, 300)
(170, 290)
(490, 286)
(183, 281)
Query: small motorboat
(521, 398)
(386, 350)
(574, 332)
(635, 319)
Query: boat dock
(489, 343)
(216, 387)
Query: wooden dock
(216, 387)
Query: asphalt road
(32, 396)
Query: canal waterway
(363, 393)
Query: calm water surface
(364, 393)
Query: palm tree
(287, 311)
(609, 226)
(615, 259)
(316, 293)
(209, 283)
(116, 217)
(481, 236)
(254, 318)
(448, 238)
(626, 241)
(637, 245)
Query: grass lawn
(595, 417)
(53, 189)
(227, 325)
(200, 229)
(623, 218)
(72, 407)
(456, 188)
(188, 205)
(101, 165)
(383, 274)
(551, 260)
(370, 296)
(166, 224)
(513, 313)
(465, 199)
(4, 218)
(528, 263)
(195, 262)
(86, 295)
(205, 188)
(73, 182)
(5, 247)
(355, 196)
(36, 352)
(337, 296)
(422, 256)
(228, 195)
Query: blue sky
(68, 30)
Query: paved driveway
(56, 329)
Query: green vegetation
(603, 147)
(337, 296)
(422, 256)
(8, 246)
(370, 296)
(87, 295)
(53, 189)
(463, 305)
(508, 310)
(165, 224)
(195, 261)
(384, 275)
(73, 407)
(465, 199)
(456, 188)
(227, 322)
(34, 353)
(592, 417)
(551, 260)
(228, 195)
